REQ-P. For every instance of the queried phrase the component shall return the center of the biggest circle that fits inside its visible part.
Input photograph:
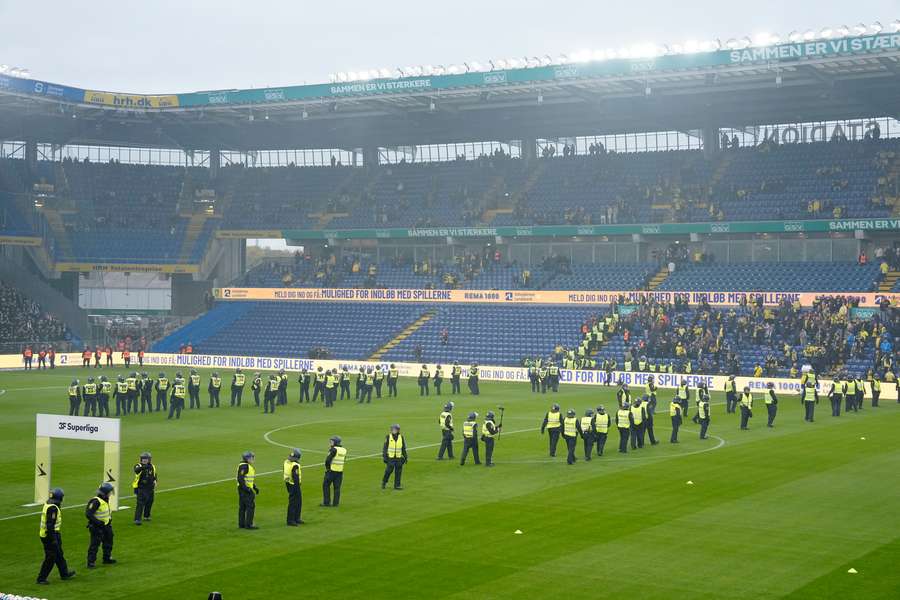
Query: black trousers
(470, 444)
(437, 386)
(214, 398)
(771, 413)
(103, 406)
(143, 503)
(295, 502)
(571, 442)
(810, 406)
(745, 417)
(53, 556)
(836, 405)
(392, 388)
(74, 406)
(395, 466)
(473, 386)
(358, 389)
(454, 385)
(875, 397)
(101, 536)
(553, 384)
(332, 485)
(489, 450)
(553, 434)
(345, 389)
(446, 444)
(161, 400)
(304, 394)
(623, 439)
(535, 386)
(637, 436)
(121, 404)
(588, 439)
(423, 387)
(132, 401)
(269, 401)
(175, 407)
(600, 442)
(704, 425)
(236, 394)
(90, 406)
(194, 394)
(676, 423)
(730, 402)
(377, 389)
(648, 428)
(246, 507)
(146, 402)
(328, 396)
(366, 395)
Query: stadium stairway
(191, 235)
(658, 278)
(415, 325)
(63, 242)
(889, 281)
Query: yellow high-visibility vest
(179, 390)
(554, 419)
(250, 477)
(443, 419)
(56, 526)
(637, 412)
(487, 432)
(674, 409)
(131, 382)
(703, 409)
(337, 461)
(469, 429)
(90, 389)
(747, 400)
(569, 428)
(216, 382)
(105, 387)
(395, 447)
(586, 424)
(163, 384)
(137, 476)
(103, 513)
(622, 419)
(73, 390)
(239, 379)
(601, 423)
(121, 387)
(195, 380)
(288, 471)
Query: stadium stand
(24, 322)
(775, 277)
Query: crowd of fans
(23, 321)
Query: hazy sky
(175, 46)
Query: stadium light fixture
(4, 68)
(842, 31)
(877, 27)
(895, 25)
(826, 33)
(732, 44)
(546, 60)
(860, 28)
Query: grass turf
(781, 512)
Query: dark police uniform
(553, 374)
(570, 434)
(292, 480)
(194, 390)
(394, 456)
(438, 379)
(473, 380)
(445, 420)
(638, 421)
(393, 376)
(586, 430)
(144, 486)
(51, 539)
(176, 402)
(238, 380)
(746, 409)
(455, 374)
(378, 381)
(675, 414)
(99, 517)
(271, 395)
(360, 382)
(772, 407)
(368, 383)
(489, 432)
(74, 398)
(470, 440)
(424, 376)
(121, 396)
(247, 491)
(344, 383)
(89, 395)
(303, 380)
(330, 388)
(162, 392)
(602, 423)
(256, 387)
(282, 387)
(623, 424)
(730, 395)
(146, 394)
(132, 397)
(103, 398)
(703, 414)
(552, 423)
(543, 375)
(334, 476)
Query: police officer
(318, 384)
(132, 397)
(360, 382)
(703, 413)
(876, 391)
(303, 380)
(860, 393)
(193, 389)
(701, 390)
(809, 400)
(378, 381)
(144, 486)
(601, 428)
(121, 395)
(552, 423)
(809, 391)
(586, 430)
(282, 387)
(74, 398)
(489, 432)
(836, 396)
(684, 397)
(145, 392)
(638, 416)
(532, 375)
(334, 472)
(438, 379)
(99, 518)
(394, 455)
(368, 383)
(473, 379)
(292, 478)
(623, 424)
(179, 392)
(543, 375)
(103, 397)
(214, 387)
(256, 387)
(470, 439)
(237, 387)
(247, 490)
(271, 394)
(89, 395)
(675, 414)
(330, 387)
(772, 404)
(424, 376)
(344, 383)
(570, 435)
(51, 539)
(649, 403)
(162, 392)
(455, 374)
(746, 408)
(553, 377)
(730, 395)
(623, 394)
(393, 376)
(445, 420)
(849, 393)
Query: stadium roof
(854, 77)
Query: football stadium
(614, 323)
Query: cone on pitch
(690, 483)
(518, 532)
(852, 571)
(862, 438)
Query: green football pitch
(782, 512)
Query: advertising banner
(130, 100)
(96, 429)
(127, 268)
(586, 298)
(19, 240)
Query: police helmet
(730, 377)
(626, 405)
(346, 369)
(161, 374)
(103, 378)
(424, 366)
(637, 401)
(144, 374)
(395, 427)
(106, 488)
(392, 366)
(570, 412)
(248, 455)
(490, 415)
(193, 371)
(456, 362)
(473, 415)
(295, 454)
(146, 455)
(746, 388)
(650, 378)
(239, 370)
(589, 413)
(438, 367)
(90, 380)
(121, 378)
(448, 406)
(770, 385)
(319, 369)
(555, 407)
(281, 371)
(133, 374)
(336, 439)
(600, 409)
(74, 382)
(369, 370)
(255, 374)
(215, 374)
(179, 375)
(57, 494)
(624, 386)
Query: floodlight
(843, 31)
(860, 28)
(732, 44)
(877, 27)
(826, 33)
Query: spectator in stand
(23, 320)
